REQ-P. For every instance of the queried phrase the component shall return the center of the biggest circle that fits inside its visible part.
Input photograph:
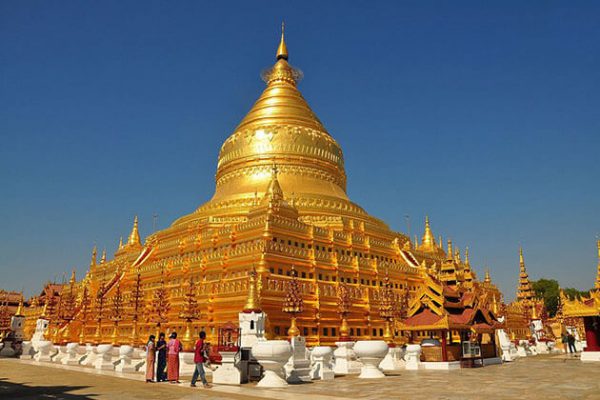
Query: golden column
(293, 303)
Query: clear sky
(484, 116)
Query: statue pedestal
(297, 369)
(320, 357)
(412, 357)
(370, 353)
(45, 351)
(103, 360)
(125, 363)
(393, 362)
(227, 373)
(187, 366)
(62, 353)
(252, 325)
(272, 355)
(90, 355)
(28, 351)
(345, 359)
(71, 357)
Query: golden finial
(134, 236)
(534, 314)
(457, 255)
(428, 242)
(19, 312)
(44, 310)
(94, 256)
(72, 280)
(120, 242)
(467, 263)
(449, 252)
(103, 258)
(252, 302)
(282, 52)
(521, 260)
(487, 276)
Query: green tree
(549, 291)
(574, 293)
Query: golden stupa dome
(281, 129)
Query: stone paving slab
(542, 377)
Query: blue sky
(483, 116)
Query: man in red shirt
(199, 359)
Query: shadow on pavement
(10, 390)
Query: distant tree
(574, 293)
(549, 291)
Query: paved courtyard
(542, 377)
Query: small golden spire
(134, 236)
(428, 241)
(72, 280)
(467, 263)
(282, 52)
(103, 258)
(521, 260)
(449, 253)
(19, 312)
(252, 302)
(94, 256)
(487, 276)
(120, 242)
(44, 310)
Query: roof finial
(521, 261)
(134, 236)
(487, 276)
(467, 256)
(94, 255)
(103, 258)
(282, 52)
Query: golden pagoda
(280, 213)
(525, 290)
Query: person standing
(161, 346)
(150, 357)
(571, 341)
(200, 351)
(173, 348)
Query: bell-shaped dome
(280, 129)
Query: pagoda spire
(72, 280)
(252, 302)
(94, 256)
(449, 252)
(103, 258)
(134, 236)
(467, 263)
(428, 240)
(282, 52)
(19, 312)
(524, 291)
(120, 242)
(487, 276)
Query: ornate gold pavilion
(280, 204)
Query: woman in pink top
(173, 349)
(150, 357)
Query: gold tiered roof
(525, 291)
(281, 129)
